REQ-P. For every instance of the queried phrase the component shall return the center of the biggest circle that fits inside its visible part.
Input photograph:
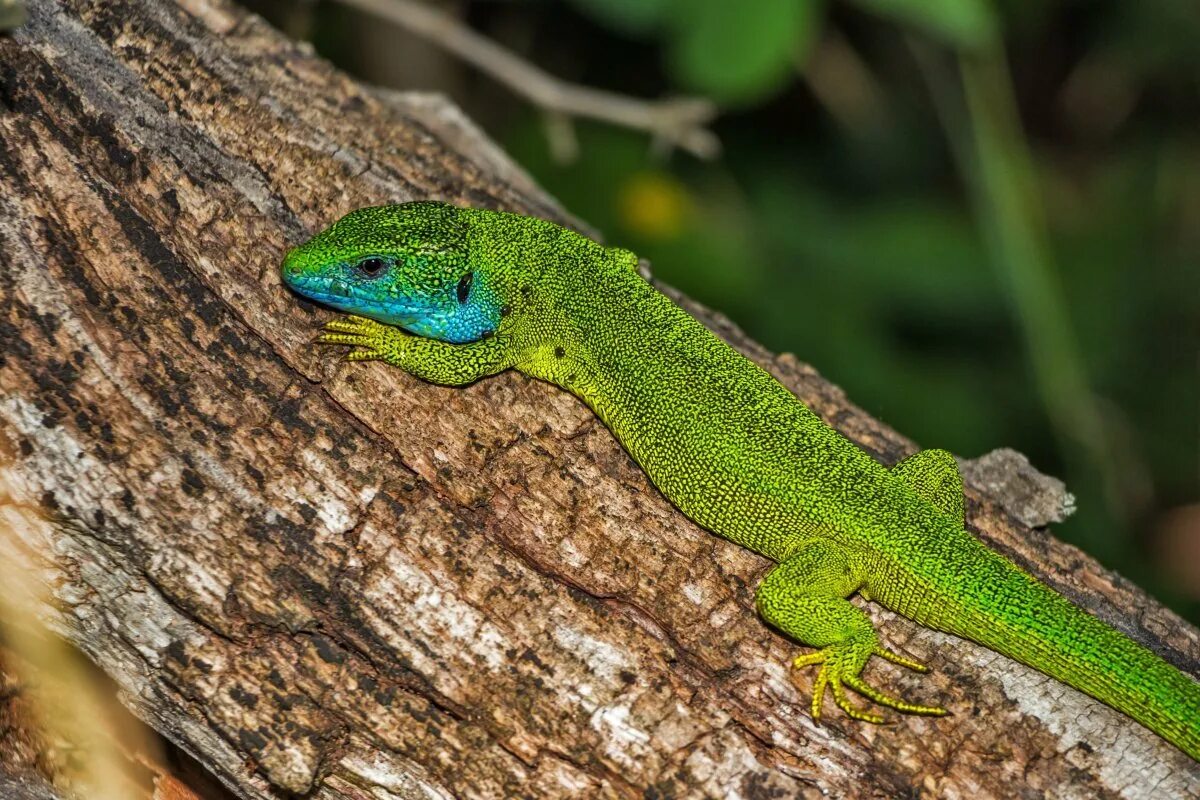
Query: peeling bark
(337, 580)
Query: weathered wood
(339, 580)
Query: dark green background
(1038, 292)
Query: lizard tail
(1027, 621)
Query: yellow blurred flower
(653, 205)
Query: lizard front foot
(371, 340)
(838, 671)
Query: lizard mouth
(345, 296)
(329, 291)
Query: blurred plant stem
(76, 720)
(844, 84)
(984, 130)
(672, 121)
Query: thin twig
(678, 121)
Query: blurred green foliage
(740, 51)
(731, 52)
(968, 24)
(982, 219)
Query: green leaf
(628, 16)
(962, 23)
(740, 51)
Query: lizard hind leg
(805, 597)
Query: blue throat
(443, 319)
(469, 322)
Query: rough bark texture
(339, 580)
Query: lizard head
(406, 265)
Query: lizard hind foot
(805, 597)
(838, 675)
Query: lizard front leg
(429, 359)
(805, 597)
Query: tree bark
(337, 580)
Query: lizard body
(452, 295)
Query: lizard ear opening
(464, 287)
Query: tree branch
(335, 580)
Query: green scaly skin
(724, 441)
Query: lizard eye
(372, 267)
(464, 286)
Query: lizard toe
(843, 702)
(904, 661)
(884, 699)
(353, 339)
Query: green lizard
(455, 294)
